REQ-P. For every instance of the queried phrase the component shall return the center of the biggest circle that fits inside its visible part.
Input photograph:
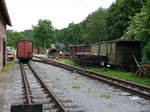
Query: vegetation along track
(133, 88)
(36, 91)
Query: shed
(4, 20)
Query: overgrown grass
(114, 73)
(123, 75)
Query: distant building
(4, 20)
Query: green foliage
(44, 34)
(134, 31)
(28, 33)
(13, 37)
(119, 15)
(70, 35)
(139, 29)
(101, 25)
(96, 26)
(146, 54)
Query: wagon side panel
(112, 53)
(95, 49)
(103, 49)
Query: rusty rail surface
(50, 93)
(133, 88)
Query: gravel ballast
(90, 94)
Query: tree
(95, 29)
(119, 16)
(70, 35)
(13, 37)
(44, 34)
(28, 34)
(134, 31)
(139, 28)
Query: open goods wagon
(24, 50)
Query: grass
(8, 65)
(114, 73)
(76, 86)
(68, 62)
(123, 75)
(105, 96)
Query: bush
(146, 54)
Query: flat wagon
(24, 50)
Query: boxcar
(119, 52)
(24, 50)
(79, 48)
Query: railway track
(133, 88)
(38, 96)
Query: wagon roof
(124, 40)
(4, 12)
(82, 45)
(117, 41)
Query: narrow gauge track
(52, 103)
(133, 88)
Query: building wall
(2, 38)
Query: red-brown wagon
(24, 50)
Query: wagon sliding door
(111, 53)
(20, 49)
(28, 49)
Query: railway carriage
(24, 50)
(119, 52)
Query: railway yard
(60, 88)
(97, 62)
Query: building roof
(4, 12)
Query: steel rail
(26, 84)
(48, 90)
(125, 85)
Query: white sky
(25, 13)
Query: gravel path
(92, 95)
(7, 80)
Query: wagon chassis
(133, 88)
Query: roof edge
(5, 14)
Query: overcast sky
(25, 13)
